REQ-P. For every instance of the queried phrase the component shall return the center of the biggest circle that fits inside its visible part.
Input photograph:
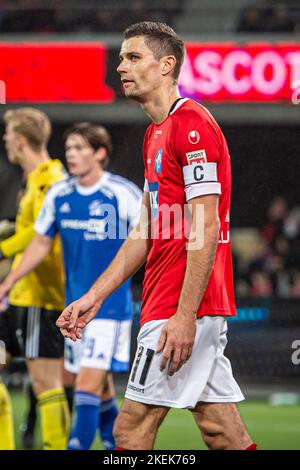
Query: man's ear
(101, 154)
(21, 141)
(168, 63)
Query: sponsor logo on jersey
(194, 137)
(227, 218)
(158, 161)
(91, 225)
(95, 209)
(157, 133)
(198, 156)
(65, 208)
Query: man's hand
(77, 315)
(176, 341)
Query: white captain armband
(201, 179)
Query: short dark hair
(161, 39)
(96, 136)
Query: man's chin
(12, 159)
(132, 95)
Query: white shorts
(105, 345)
(205, 377)
(72, 355)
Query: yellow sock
(7, 438)
(55, 419)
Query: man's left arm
(178, 335)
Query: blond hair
(32, 124)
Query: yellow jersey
(43, 287)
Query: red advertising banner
(232, 72)
(75, 72)
(55, 72)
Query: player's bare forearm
(200, 257)
(128, 260)
(34, 254)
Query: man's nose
(122, 67)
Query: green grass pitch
(272, 427)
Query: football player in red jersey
(188, 285)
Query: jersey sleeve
(129, 201)
(134, 206)
(46, 221)
(42, 187)
(197, 149)
(20, 240)
(17, 242)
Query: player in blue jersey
(92, 211)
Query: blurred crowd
(270, 16)
(102, 16)
(90, 16)
(273, 269)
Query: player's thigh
(68, 378)
(222, 419)
(92, 380)
(108, 391)
(45, 373)
(137, 424)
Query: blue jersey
(93, 222)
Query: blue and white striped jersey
(93, 222)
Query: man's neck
(32, 160)
(90, 178)
(158, 107)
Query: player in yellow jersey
(27, 327)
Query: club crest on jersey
(198, 156)
(194, 137)
(158, 161)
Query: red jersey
(185, 156)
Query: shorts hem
(94, 366)
(169, 404)
(232, 399)
(149, 401)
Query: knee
(41, 384)
(213, 435)
(87, 386)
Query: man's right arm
(34, 254)
(128, 260)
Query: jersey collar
(88, 190)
